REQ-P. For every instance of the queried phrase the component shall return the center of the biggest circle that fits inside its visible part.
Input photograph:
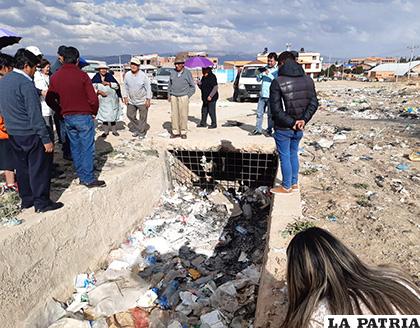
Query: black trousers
(57, 124)
(33, 170)
(208, 108)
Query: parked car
(160, 82)
(248, 86)
(91, 68)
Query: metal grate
(207, 169)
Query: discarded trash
(332, 218)
(166, 300)
(325, 143)
(414, 156)
(403, 167)
(241, 230)
(339, 137)
(84, 281)
(148, 299)
(212, 320)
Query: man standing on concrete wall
(266, 76)
(71, 94)
(137, 96)
(296, 91)
(28, 135)
(181, 88)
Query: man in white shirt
(137, 94)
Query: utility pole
(329, 68)
(412, 48)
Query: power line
(411, 48)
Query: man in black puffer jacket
(296, 91)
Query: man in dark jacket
(29, 138)
(71, 94)
(297, 91)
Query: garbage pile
(195, 262)
(9, 208)
(372, 102)
(360, 180)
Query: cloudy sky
(339, 28)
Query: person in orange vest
(6, 158)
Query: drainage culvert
(196, 260)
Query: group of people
(29, 98)
(36, 96)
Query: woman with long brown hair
(324, 277)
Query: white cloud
(340, 28)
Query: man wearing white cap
(35, 50)
(137, 95)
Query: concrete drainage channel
(195, 261)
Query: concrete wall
(40, 258)
(272, 294)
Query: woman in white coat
(42, 82)
(109, 92)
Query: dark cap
(61, 50)
(295, 53)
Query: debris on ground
(195, 262)
(9, 209)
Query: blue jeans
(263, 104)
(287, 142)
(81, 133)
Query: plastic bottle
(165, 297)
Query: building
(373, 60)
(393, 70)
(231, 64)
(310, 61)
(152, 59)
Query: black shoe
(56, 173)
(201, 125)
(115, 133)
(26, 206)
(104, 135)
(212, 126)
(255, 133)
(173, 136)
(50, 207)
(95, 184)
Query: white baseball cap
(135, 61)
(34, 50)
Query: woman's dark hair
(6, 61)
(285, 55)
(44, 62)
(25, 57)
(272, 55)
(206, 70)
(320, 267)
(71, 55)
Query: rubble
(195, 262)
(364, 187)
(383, 102)
(9, 209)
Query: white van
(248, 86)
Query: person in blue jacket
(266, 76)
